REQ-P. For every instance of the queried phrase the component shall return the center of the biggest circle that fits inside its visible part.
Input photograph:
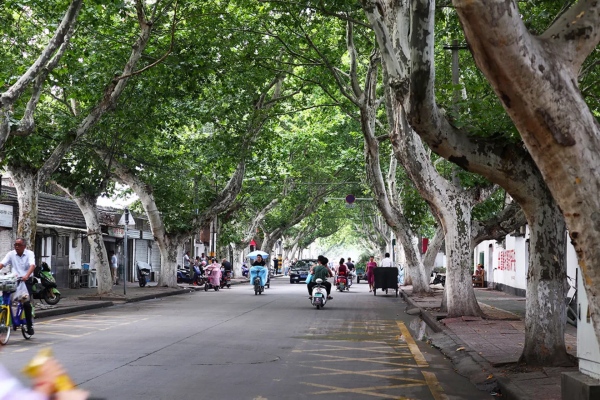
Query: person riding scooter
(259, 270)
(342, 275)
(213, 273)
(322, 271)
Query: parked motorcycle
(437, 278)
(183, 276)
(319, 294)
(44, 285)
(244, 270)
(142, 274)
(341, 283)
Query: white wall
(587, 343)
(440, 260)
(514, 274)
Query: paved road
(235, 345)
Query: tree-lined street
(454, 140)
(233, 344)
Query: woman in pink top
(371, 265)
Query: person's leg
(310, 286)
(28, 309)
(328, 289)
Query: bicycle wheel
(4, 326)
(24, 332)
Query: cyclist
(22, 262)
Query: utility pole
(125, 251)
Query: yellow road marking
(367, 391)
(414, 349)
(371, 373)
(341, 339)
(62, 334)
(340, 348)
(434, 386)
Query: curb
(73, 309)
(510, 391)
(468, 362)
(135, 299)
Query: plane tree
(81, 82)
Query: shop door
(60, 260)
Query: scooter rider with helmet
(322, 271)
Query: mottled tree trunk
(536, 79)
(238, 251)
(460, 297)
(26, 185)
(87, 205)
(168, 247)
(545, 316)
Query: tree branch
(353, 63)
(15, 91)
(576, 32)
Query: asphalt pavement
(232, 344)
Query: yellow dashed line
(434, 386)
(414, 349)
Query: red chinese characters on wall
(506, 260)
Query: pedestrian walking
(371, 265)
(387, 261)
(22, 262)
(286, 266)
(114, 264)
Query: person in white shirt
(387, 261)
(113, 268)
(22, 262)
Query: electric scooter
(319, 294)
(44, 285)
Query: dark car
(299, 271)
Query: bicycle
(8, 320)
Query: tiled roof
(54, 210)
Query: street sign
(122, 220)
(350, 199)
(350, 205)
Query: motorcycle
(259, 277)
(341, 283)
(258, 288)
(44, 285)
(143, 274)
(225, 279)
(438, 278)
(244, 270)
(183, 276)
(319, 294)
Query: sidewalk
(75, 300)
(496, 340)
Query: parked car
(299, 271)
